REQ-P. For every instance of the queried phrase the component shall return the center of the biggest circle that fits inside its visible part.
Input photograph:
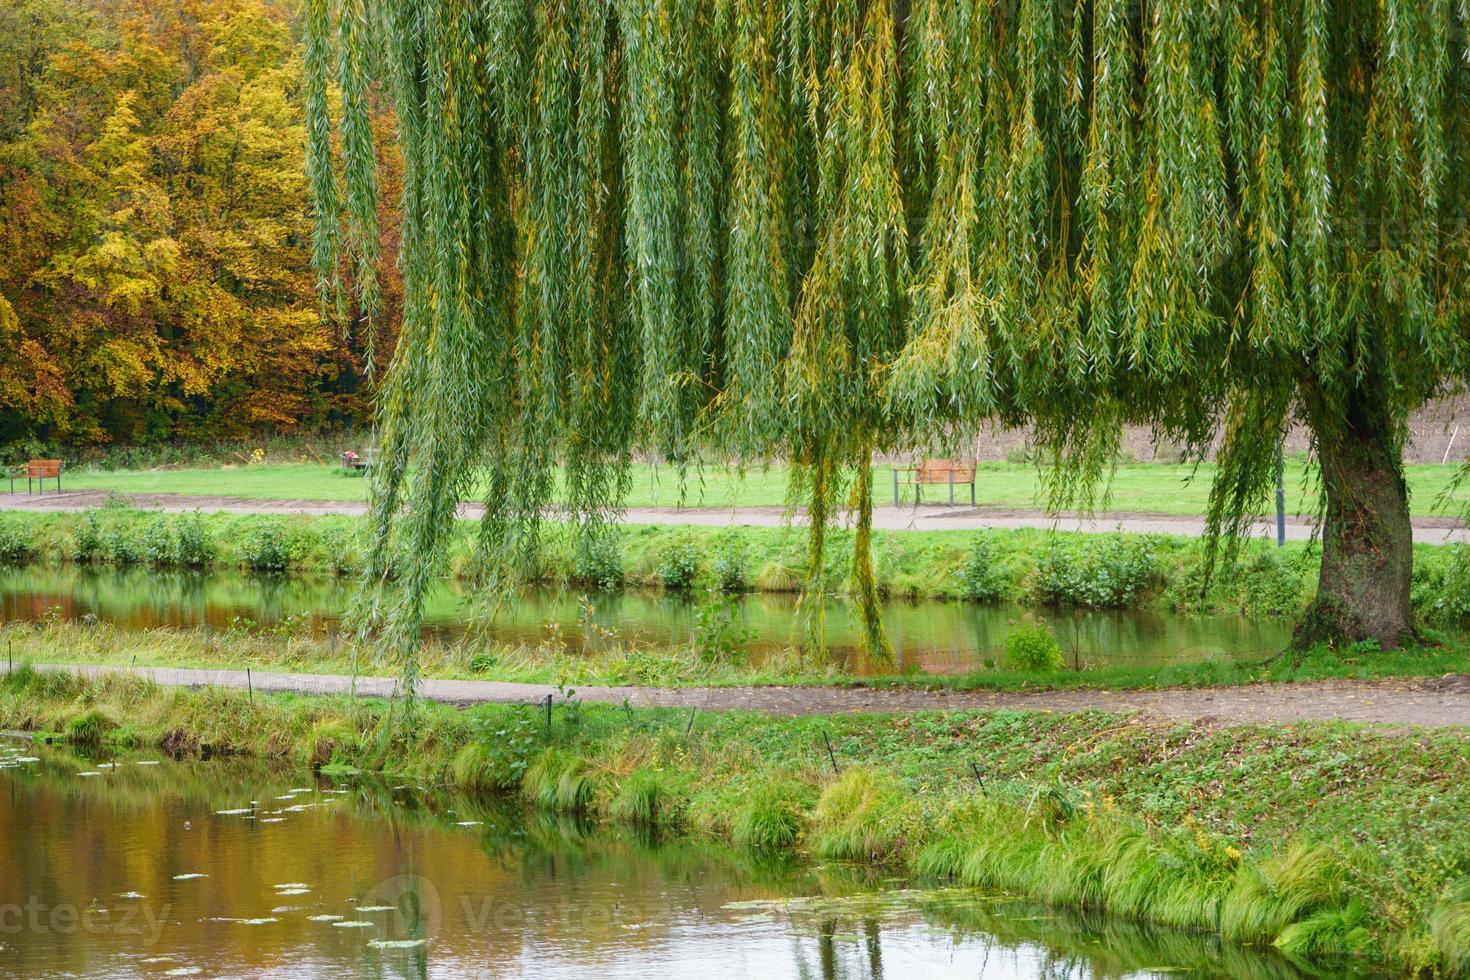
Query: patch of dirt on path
(1431, 703)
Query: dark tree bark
(1367, 539)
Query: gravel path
(1434, 702)
(1427, 530)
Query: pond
(144, 867)
(928, 636)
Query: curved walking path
(1427, 530)
(1429, 702)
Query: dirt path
(1427, 530)
(1435, 702)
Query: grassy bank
(701, 663)
(1161, 488)
(1028, 566)
(1322, 839)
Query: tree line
(155, 279)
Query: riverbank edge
(614, 664)
(1033, 567)
(965, 796)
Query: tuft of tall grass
(90, 728)
(865, 815)
(1279, 890)
(650, 798)
(1449, 929)
(772, 816)
(561, 781)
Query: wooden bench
(37, 472)
(943, 472)
(366, 461)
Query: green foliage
(87, 544)
(559, 780)
(14, 546)
(1031, 646)
(680, 566)
(498, 757)
(193, 545)
(981, 579)
(718, 635)
(263, 548)
(599, 562)
(1102, 572)
(730, 569)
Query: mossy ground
(1320, 838)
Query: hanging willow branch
(816, 229)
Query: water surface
(929, 636)
(170, 869)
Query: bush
(498, 759)
(86, 539)
(122, 545)
(679, 568)
(157, 543)
(13, 545)
(263, 548)
(193, 547)
(718, 635)
(1103, 572)
(981, 578)
(599, 562)
(729, 569)
(1031, 645)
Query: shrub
(13, 545)
(729, 568)
(1108, 571)
(558, 780)
(157, 543)
(718, 635)
(193, 547)
(89, 728)
(498, 759)
(1031, 645)
(263, 548)
(122, 545)
(86, 539)
(679, 567)
(598, 561)
(981, 577)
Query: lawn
(1154, 487)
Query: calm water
(938, 637)
(91, 885)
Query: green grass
(1152, 487)
(1318, 838)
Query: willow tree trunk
(1367, 539)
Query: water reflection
(936, 637)
(172, 867)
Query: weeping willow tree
(813, 229)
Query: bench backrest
(45, 469)
(939, 470)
